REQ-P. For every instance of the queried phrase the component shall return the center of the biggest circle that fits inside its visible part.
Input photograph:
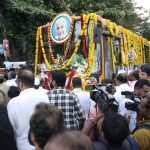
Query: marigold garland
(93, 20)
(127, 39)
(64, 66)
(37, 49)
(55, 61)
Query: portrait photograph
(60, 28)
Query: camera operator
(142, 132)
(129, 105)
(105, 102)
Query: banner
(6, 47)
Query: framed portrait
(60, 28)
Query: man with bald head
(21, 107)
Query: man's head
(13, 92)
(11, 75)
(115, 129)
(133, 75)
(142, 88)
(145, 72)
(25, 79)
(121, 78)
(144, 108)
(46, 121)
(69, 140)
(58, 78)
(61, 26)
(76, 82)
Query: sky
(145, 4)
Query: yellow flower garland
(55, 61)
(69, 61)
(74, 53)
(88, 72)
(128, 38)
(37, 49)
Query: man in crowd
(133, 77)
(11, 79)
(45, 122)
(141, 90)
(83, 96)
(69, 140)
(142, 132)
(7, 141)
(3, 91)
(145, 72)
(21, 107)
(115, 134)
(122, 83)
(67, 101)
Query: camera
(102, 97)
(135, 101)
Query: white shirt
(84, 99)
(131, 114)
(20, 110)
(118, 96)
(11, 82)
(41, 89)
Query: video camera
(135, 100)
(102, 97)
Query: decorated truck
(88, 45)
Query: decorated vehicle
(88, 45)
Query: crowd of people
(114, 115)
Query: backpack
(132, 142)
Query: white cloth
(11, 82)
(84, 99)
(118, 96)
(41, 89)
(132, 83)
(20, 110)
(132, 115)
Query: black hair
(13, 91)
(115, 128)
(26, 76)
(141, 83)
(12, 74)
(12, 69)
(59, 77)
(107, 81)
(122, 77)
(1, 80)
(135, 74)
(76, 82)
(45, 122)
(146, 68)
